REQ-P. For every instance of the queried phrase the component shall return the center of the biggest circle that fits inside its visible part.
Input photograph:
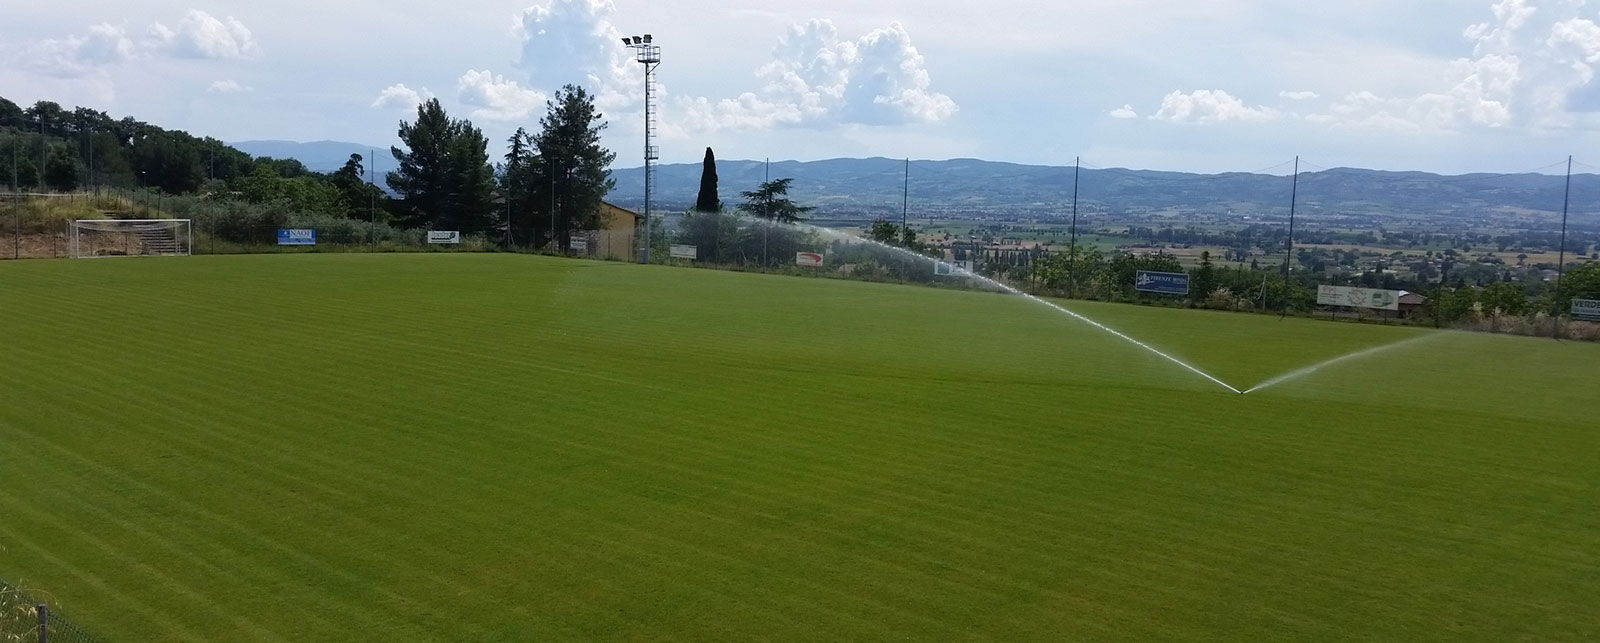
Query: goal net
(131, 237)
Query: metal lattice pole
(649, 55)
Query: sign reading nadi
(685, 252)
(808, 259)
(297, 237)
(1586, 309)
(444, 236)
(1358, 297)
(1166, 283)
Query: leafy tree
(707, 201)
(770, 201)
(11, 115)
(1504, 298)
(908, 239)
(1582, 282)
(882, 231)
(61, 170)
(575, 162)
(358, 194)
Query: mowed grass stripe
(861, 478)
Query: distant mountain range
(876, 186)
(317, 156)
(861, 188)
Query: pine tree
(573, 161)
(422, 169)
(444, 174)
(708, 201)
(770, 201)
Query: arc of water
(1008, 289)
(1301, 372)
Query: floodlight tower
(649, 56)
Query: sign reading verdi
(808, 259)
(1167, 283)
(1586, 309)
(444, 236)
(1358, 297)
(297, 237)
(685, 252)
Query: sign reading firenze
(1166, 283)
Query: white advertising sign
(685, 252)
(1358, 297)
(808, 259)
(444, 236)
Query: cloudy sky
(1200, 85)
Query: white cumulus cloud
(817, 78)
(1531, 67)
(1301, 95)
(1210, 106)
(398, 96)
(201, 35)
(226, 87)
(76, 55)
(574, 41)
(496, 98)
(1124, 112)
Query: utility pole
(1294, 194)
(372, 199)
(41, 152)
(1561, 264)
(905, 196)
(553, 206)
(16, 203)
(766, 213)
(1072, 248)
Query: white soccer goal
(131, 237)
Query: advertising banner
(1166, 283)
(1586, 309)
(808, 259)
(685, 252)
(296, 237)
(444, 236)
(1358, 297)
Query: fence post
(44, 620)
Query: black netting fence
(26, 618)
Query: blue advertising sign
(296, 237)
(1166, 283)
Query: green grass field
(512, 448)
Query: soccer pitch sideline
(464, 447)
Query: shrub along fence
(24, 619)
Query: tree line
(548, 186)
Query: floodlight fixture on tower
(648, 55)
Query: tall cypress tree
(708, 201)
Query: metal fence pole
(44, 621)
